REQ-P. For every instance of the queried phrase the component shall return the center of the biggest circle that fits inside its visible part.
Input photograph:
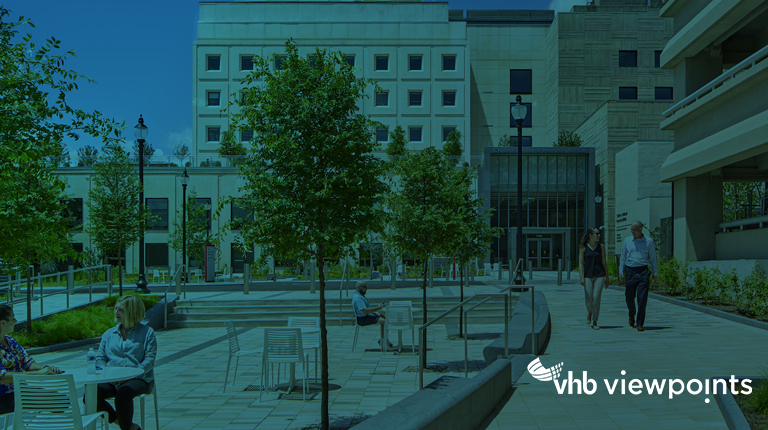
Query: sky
(140, 55)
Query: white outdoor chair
(6, 419)
(283, 345)
(234, 351)
(357, 329)
(197, 273)
(399, 316)
(47, 402)
(142, 400)
(486, 269)
(224, 276)
(308, 340)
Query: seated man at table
(365, 313)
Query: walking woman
(593, 273)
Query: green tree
(504, 141)
(181, 152)
(742, 199)
(231, 147)
(116, 221)
(568, 139)
(311, 178)
(149, 151)
(452, 147)
(87, 156)
(397, 144)
(198, 233)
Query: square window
(382, 63)
(414, 98)
(279, 60)
(527, 122)
(414, 134)
(214, 98)
(382, 98)
(627, 58)
(627, 93)
(246, 135)
(156, 255)
(449, 98)
(447, 131)
(350, 59)
(663, 93)
(382, 134)
(213, 134)
(246, 62)
(414, 62)
(657, 59)
(521, 81)
(449, 62)
(214, 62)
(159, 210)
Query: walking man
(637, 253)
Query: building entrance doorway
(539, 252)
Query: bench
(520, 329)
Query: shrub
(753, 295)
(758, 400)
(672, 277)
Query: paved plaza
(678, 343)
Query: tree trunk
(424, 315)
(324, 420)
(461, 299)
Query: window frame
(453, 56)
(411, 93)
(446, 92)
(347, 57)
(385, 94)
(376, 59)
(208, 59)
(242, 59)
(624, 90)
(208, 98)
(244, 133)
(384, 130)
(420, 58)
(448, 129)
(413, 128)
(208, 131)
(657, 59)
(161, 212)
(624, 57)
(234, 210)
(526, 87)
(656, 93)
(279, 59)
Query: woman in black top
(594, 276)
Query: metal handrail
(507, 298)
(466, 332)
(519, 262)
(11, 283)
(176, 279)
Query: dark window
(75, 213)
(246, 62)
(213, 134)
(279, 62)
(242, 97)
(447, 131)
(157, 255)
(526, 122)
(414, 98)
(657, 59)
(627, 58)
(238, 215)
(63, 265)
(312, 60)
(382, 98)
(414, 62)
(350, 59)
(382, 63)
(627, 93)
(520, 81)
(449, 62)
(214, 98)
(663, 93)
(382, 134)
(449, 98)
(240, 259)
(246, 135)
(159, 210)
(205, 201)
(513, 141)
(414, 134)
(214, 62)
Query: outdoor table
(292, 381)
(103, 375)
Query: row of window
(415, 98)
(630, 93)
(629, 59)
(380, 63)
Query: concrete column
(698, 211)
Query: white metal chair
(155, 275)
(197, 273)
(486, 269)
(308, 340)
(224, 275)
(48, 402)
(142, 400)
(399, 316)
(283, 345)
(357, 329)
(235, 351)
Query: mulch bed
(720, 306)
(755, 419)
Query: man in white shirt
(365, 313)
(637, 253)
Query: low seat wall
(520, 329)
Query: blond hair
(133, 310)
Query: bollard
(530, 270)
(568, 267)
(312, 276)
(108, 277)
(246, 278)
(559, 271)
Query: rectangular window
(449, 62)
(350, 59)
(214, 62)
(279, 60)
(521, 81)
(414, 134)
(246, 62)
(312, 60)
(156, 255)
(382, 134)
(449, 98)
(238, 215)
(214, 98)
(414, 98)
(382, 98)
(213, 134)
(382, 63)
(242, 97)
(447, 131)
(240, 259)
(414, 62)
(205, 202)
(527, 122)
(75, 213)
(246, 135)
(663, 93)
(627, 58)
(159, 210)
(657, 59)
(627, 93)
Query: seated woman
(15, 360)
(128, 344)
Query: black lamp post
(184, 178)
(140, 132)
(519, 112)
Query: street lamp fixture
(141, 132)
(184, 179)
(519, 112)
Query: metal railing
(517, 266)
(13, 287)
(742, 222)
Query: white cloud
(565, 5)
(176, 137)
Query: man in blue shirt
(365, 313)
(637, 253)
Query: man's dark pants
(636, 285)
